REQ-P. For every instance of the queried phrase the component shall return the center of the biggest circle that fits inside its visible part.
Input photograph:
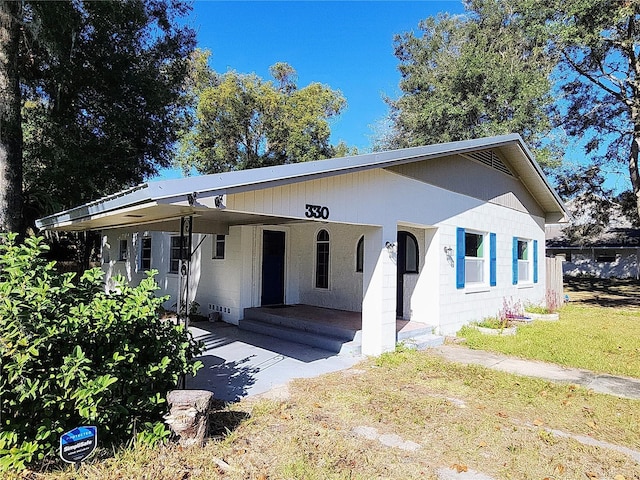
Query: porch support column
(379, 291)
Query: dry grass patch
(460, 416)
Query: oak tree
(100, 96)
(242, 121)
(472, 75)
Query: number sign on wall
(316, 211)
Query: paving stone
(389, 440)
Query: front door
(272, 268)
(407, 262)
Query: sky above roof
(347, 45)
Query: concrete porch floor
(333, 317)
(240, 363)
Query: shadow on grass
(222, 423)
(603, 292)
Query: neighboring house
(612, 253)
(441, 234)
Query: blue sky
(347, 45)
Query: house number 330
(316, 211)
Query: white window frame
(525, 265)
(317, 273)
(173, 251)
(217, 240)
(143, 240)
(477, 263)
(123, 249)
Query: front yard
(410, 414)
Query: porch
(338, 331)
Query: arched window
(360, 255)
(322, 259)
(408, 248)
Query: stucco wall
(345, 284)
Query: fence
(555, 287)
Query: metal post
(184, 269)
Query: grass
(460, 417)
(596, 331)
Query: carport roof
(157, 205)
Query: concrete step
(406, 334)
(276, 318)
(424, 341)
(340, 345)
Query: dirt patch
(603, 292)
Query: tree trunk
(10, 119)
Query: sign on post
(78, 444)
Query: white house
(440, 234)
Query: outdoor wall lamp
(448, 252)
(391, 246)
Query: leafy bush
(73, 354)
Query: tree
(469, 76)
(241, 121)
(10, 125)
(100, 93)
(72, 354)
(596, 44)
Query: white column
(425, 301)
(379, 292)
(248, 266)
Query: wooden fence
(555, 287)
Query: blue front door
(272, 268)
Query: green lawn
(602, 339)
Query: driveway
(239, 363)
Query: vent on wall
(489, 158)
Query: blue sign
(78, 444)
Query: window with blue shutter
(492, 260)
(460, 253)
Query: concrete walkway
(598, 382)
(239, 363)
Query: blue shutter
(460, 251)
(492, 259)
(514, 279)
(535, 261)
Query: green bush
(73, 354)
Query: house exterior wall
(474, 180)
(375, 203)
(462, 305)
(603, 263)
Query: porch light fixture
(448, 253)
(391, 246)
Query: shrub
(73, 354)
